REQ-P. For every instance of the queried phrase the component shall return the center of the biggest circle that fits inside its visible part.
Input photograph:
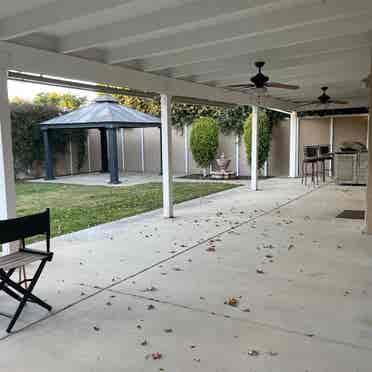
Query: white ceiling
(215, 42)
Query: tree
(264, 137)
(27, 140)
(204, 141)
(232, 119)
(65, 102)
(147, 105)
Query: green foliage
(185, 114)
(182, 114)
(27, 138)
(146, 105)
(204, 140)
(264, 137)
(232, 119)
(64, 102)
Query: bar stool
(310, 157)
(324, 154)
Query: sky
(28, 91)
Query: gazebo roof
(104, 111)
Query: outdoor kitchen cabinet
(351, 167)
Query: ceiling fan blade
(309, 103)
(271, 84)
(339, 102)
(248, 85)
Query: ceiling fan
(324, 99)
(261, 82)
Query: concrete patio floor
(126, 179)
(310, 309)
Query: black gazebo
(106, 115)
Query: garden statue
(222, 165)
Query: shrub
(27, 138)
(204, 141)
(264, 137)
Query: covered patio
(190, 51)
(308, 310)
(263, 277)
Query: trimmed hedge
(204, 141)
(264, 137)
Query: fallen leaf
(156, 355)
(150, 289)
(232, 301)
(273, 353)
(253, 353)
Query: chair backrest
(310, 151)
(25, 227)
(324, 150)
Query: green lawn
(78, 207)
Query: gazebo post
(113, 147)
(161, 152)
(104, 157)
(49, 173)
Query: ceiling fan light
(260, 91)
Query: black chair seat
(19, 229)
(310, 160)
(19, 259)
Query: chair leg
(5, 277)
(303, 176)
(312, 173)
(27, 295)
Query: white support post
(254, 149)
(293, 145)
(7, 182)
(331, 141)
(237, 155)
(143, 150)
(367, 141)
(166, 132)
(186, 143)
(122, 148)
(368, 220)
(266, 168)
(331, 133)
